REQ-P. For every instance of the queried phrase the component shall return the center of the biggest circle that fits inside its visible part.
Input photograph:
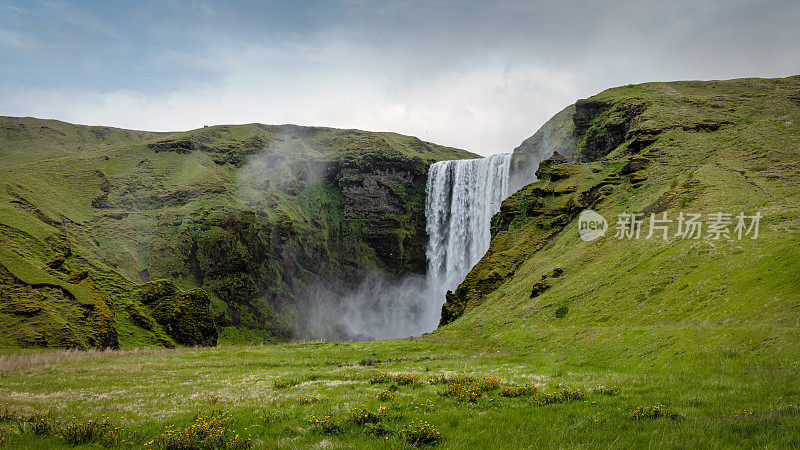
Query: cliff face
(252, 215)
(384, 201)
(682, 147)
(556, 135)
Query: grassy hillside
(252, 214)
(682, 147)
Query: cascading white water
(462, 196)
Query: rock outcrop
(254, 216)
(185, 316)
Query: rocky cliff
(122, 238)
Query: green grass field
(472, 394)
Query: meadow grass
(229, 398)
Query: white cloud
(488, 109)
(467, 74)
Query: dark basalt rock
(637, 179)
(536, 206)
(611, 179)
(554, 168)
(178, 145)
(604, 125)
(384, 199)
(635, 164)
(707, 124)
(185, 316)
(606, 189)
(641, 142)
(453, 308)
(539, 288)
(223, 152)
(77, 277)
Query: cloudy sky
(471, 74)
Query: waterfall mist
(380, 307)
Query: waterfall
(462, 196)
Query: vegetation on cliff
(680, 147)
(251, 214)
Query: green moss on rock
(185, 316)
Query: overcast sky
(477, 75)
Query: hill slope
(675, 148)
(252, 214)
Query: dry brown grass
(27, 360)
